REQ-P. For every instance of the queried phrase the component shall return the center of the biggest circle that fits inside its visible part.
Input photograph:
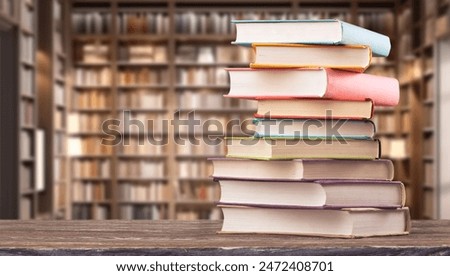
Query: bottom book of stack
(346, 222)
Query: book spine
(352, 68)
(263, 116)
(379, 148)
(403, 192)
(351, 34)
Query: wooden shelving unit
(163, 59)
(439, 174)
(126, 62)
(51, 86)
(435, 88)
(21, 170)
(422, 25)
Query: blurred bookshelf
(141, 65)
(51, 85)
(155, 60)
(28, 112)
(442, 85)
(421, 25)
(22, 155)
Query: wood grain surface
(113, 237)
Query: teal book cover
(314, 129)
(311, 32)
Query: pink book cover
(345, 85)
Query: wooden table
(200, 238)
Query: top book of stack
(325, 31)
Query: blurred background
(67, 66)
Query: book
(314, 194)
(314, 128)
(39, 148)
(347, 57)
(246, 83)
(313, 109)
(25, 208)
(295, 148)
(441, 25)
(349, 223)
(394, 148)
(302, 169)
(95, 53)
(325, 31)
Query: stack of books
(312, 166)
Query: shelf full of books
(28, 109)
(421, 25)
(22, 149)
(149, 62)
(60, 171)
(51, 87)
